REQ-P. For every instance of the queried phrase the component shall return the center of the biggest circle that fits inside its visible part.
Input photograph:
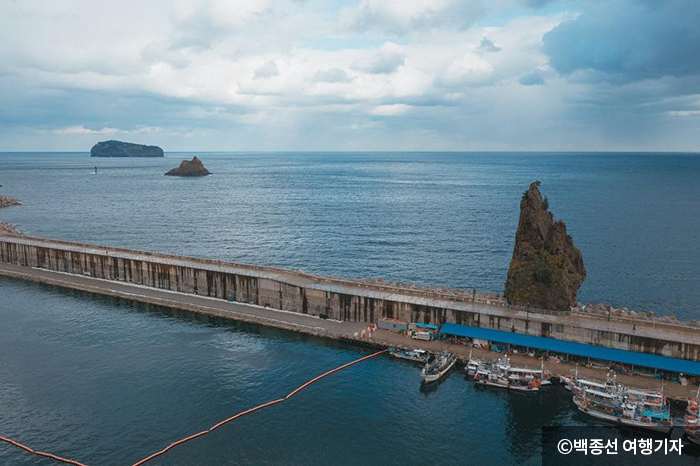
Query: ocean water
(445, 219)
(107, 381)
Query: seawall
(343, 300)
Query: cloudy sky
(351, 74)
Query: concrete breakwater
(338, 299)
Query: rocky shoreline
(7, 229)
(8, 201)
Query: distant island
(124, 149)
(192, 167)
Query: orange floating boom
(204, 432)
(40, 453)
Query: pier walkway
(188, 302)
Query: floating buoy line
(204, 432)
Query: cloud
(332, 75)
(407, 16)
(390, 110)
(626, 40)
(537, 3)
(532, 79)
(467, 69)
(80, 129)
(387, 60)
(683, 113)
(268, 70)
(218, 74)
(488, 46)
(200, 23)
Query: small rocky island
(124, 149)
(192, 167)
(547, 269)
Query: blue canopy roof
(430, 326)
(578, 349)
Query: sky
(351, 75)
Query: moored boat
(575, 384)
(503, 375)
(542, 375)
(632, 408)
(497, 378)
(416, 355)
(472, 365)
(691, 426)
(437, 368)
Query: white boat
(503, 375)
(575, 384)
(542, 374)
(472, 365)
(567, 382)
(691, 427)
(622, 406)
(437, 368)
(485, 376)
(497, 378)
(416, 355)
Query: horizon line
(688, 152)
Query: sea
(107, 381)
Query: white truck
(421, 335)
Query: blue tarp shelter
(428, 326)
(578, 349)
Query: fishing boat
(486, 376)
(416, 355)
(567, 382)
(525, 373)
(627, 407)
(498, 378)
(574, 383)
(502, 375)
(691, 427)
(473, 365)
(438, 367)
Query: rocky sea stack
(547, 269)
(192, 167)
(124, 149)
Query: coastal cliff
(546, 270)
(124, 149)
(193, 167)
